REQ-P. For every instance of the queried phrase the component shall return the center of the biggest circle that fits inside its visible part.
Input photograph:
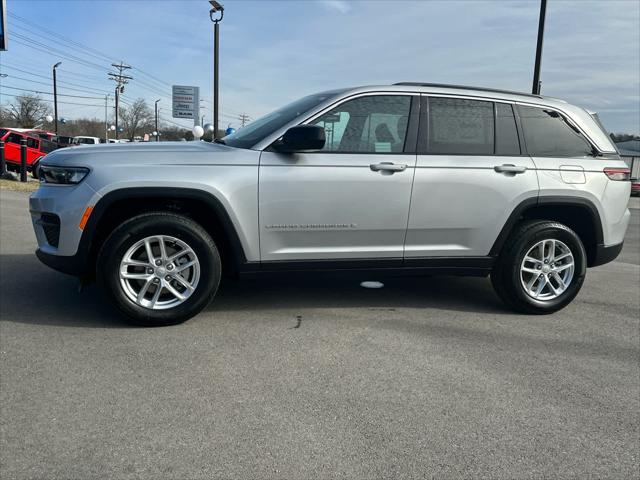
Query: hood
(151, 153)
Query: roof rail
(465, 87)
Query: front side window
(548, 134)
(460, 127)
(373, 124)
(14, 138)
(258, 130)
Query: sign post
(185, 103)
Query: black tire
(35, 170)
(505, 276)
(159, 223)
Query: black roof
(465, 87)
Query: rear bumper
(606, 254)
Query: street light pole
(215, 8)
(117, 98)
(535, 89)
(106, 126)
(157, 131)
(55, 96)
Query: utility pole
(157, 132)
(55, 96)
(244, 119)
(106, 119)
(121, 80)
(536, 87)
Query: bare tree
(135, 118)
(28, 110)
(6, 120)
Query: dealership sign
(185, 101)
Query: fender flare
(547, 201)
(177, 193)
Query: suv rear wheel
(159, 269)
(541, 268)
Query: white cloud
(338, 5)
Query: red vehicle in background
(37, 148)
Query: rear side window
(33, 143)
(462, 127)
(548, 134)
(507, 142)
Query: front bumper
(606, 254)
(71, 265)
(68, 204)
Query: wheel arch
(579, 214)
(203, 207)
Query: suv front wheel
(159, 268)
(541, 268)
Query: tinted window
(14, 138)
(257, 130)
(32, 143)
(458, 126)
(47, 146)
(507, 142)
(375, 124)
(547, 134)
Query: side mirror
(302, 138)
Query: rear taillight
(618, 174)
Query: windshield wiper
(219, 140)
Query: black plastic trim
(472, 266)
(512, 221)
(411, 137)
(606, 254)
(85, 245)
(577, 202)
(71, 265)
(546, 201)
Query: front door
(348, 201)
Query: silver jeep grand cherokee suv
(408, 178)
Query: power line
(46, 83)
(82, 49)
(91, 51)
(19, 42)
(61, 82)
(66, 55)
(51, 101)
(48, 93)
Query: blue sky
(275, 51)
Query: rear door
(350, 200)
(470, 175)
(33, 150)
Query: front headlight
(62, 175)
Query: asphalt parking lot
(427, 377)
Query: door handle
(510, 168)
(387, 167)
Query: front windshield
(257, 130)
